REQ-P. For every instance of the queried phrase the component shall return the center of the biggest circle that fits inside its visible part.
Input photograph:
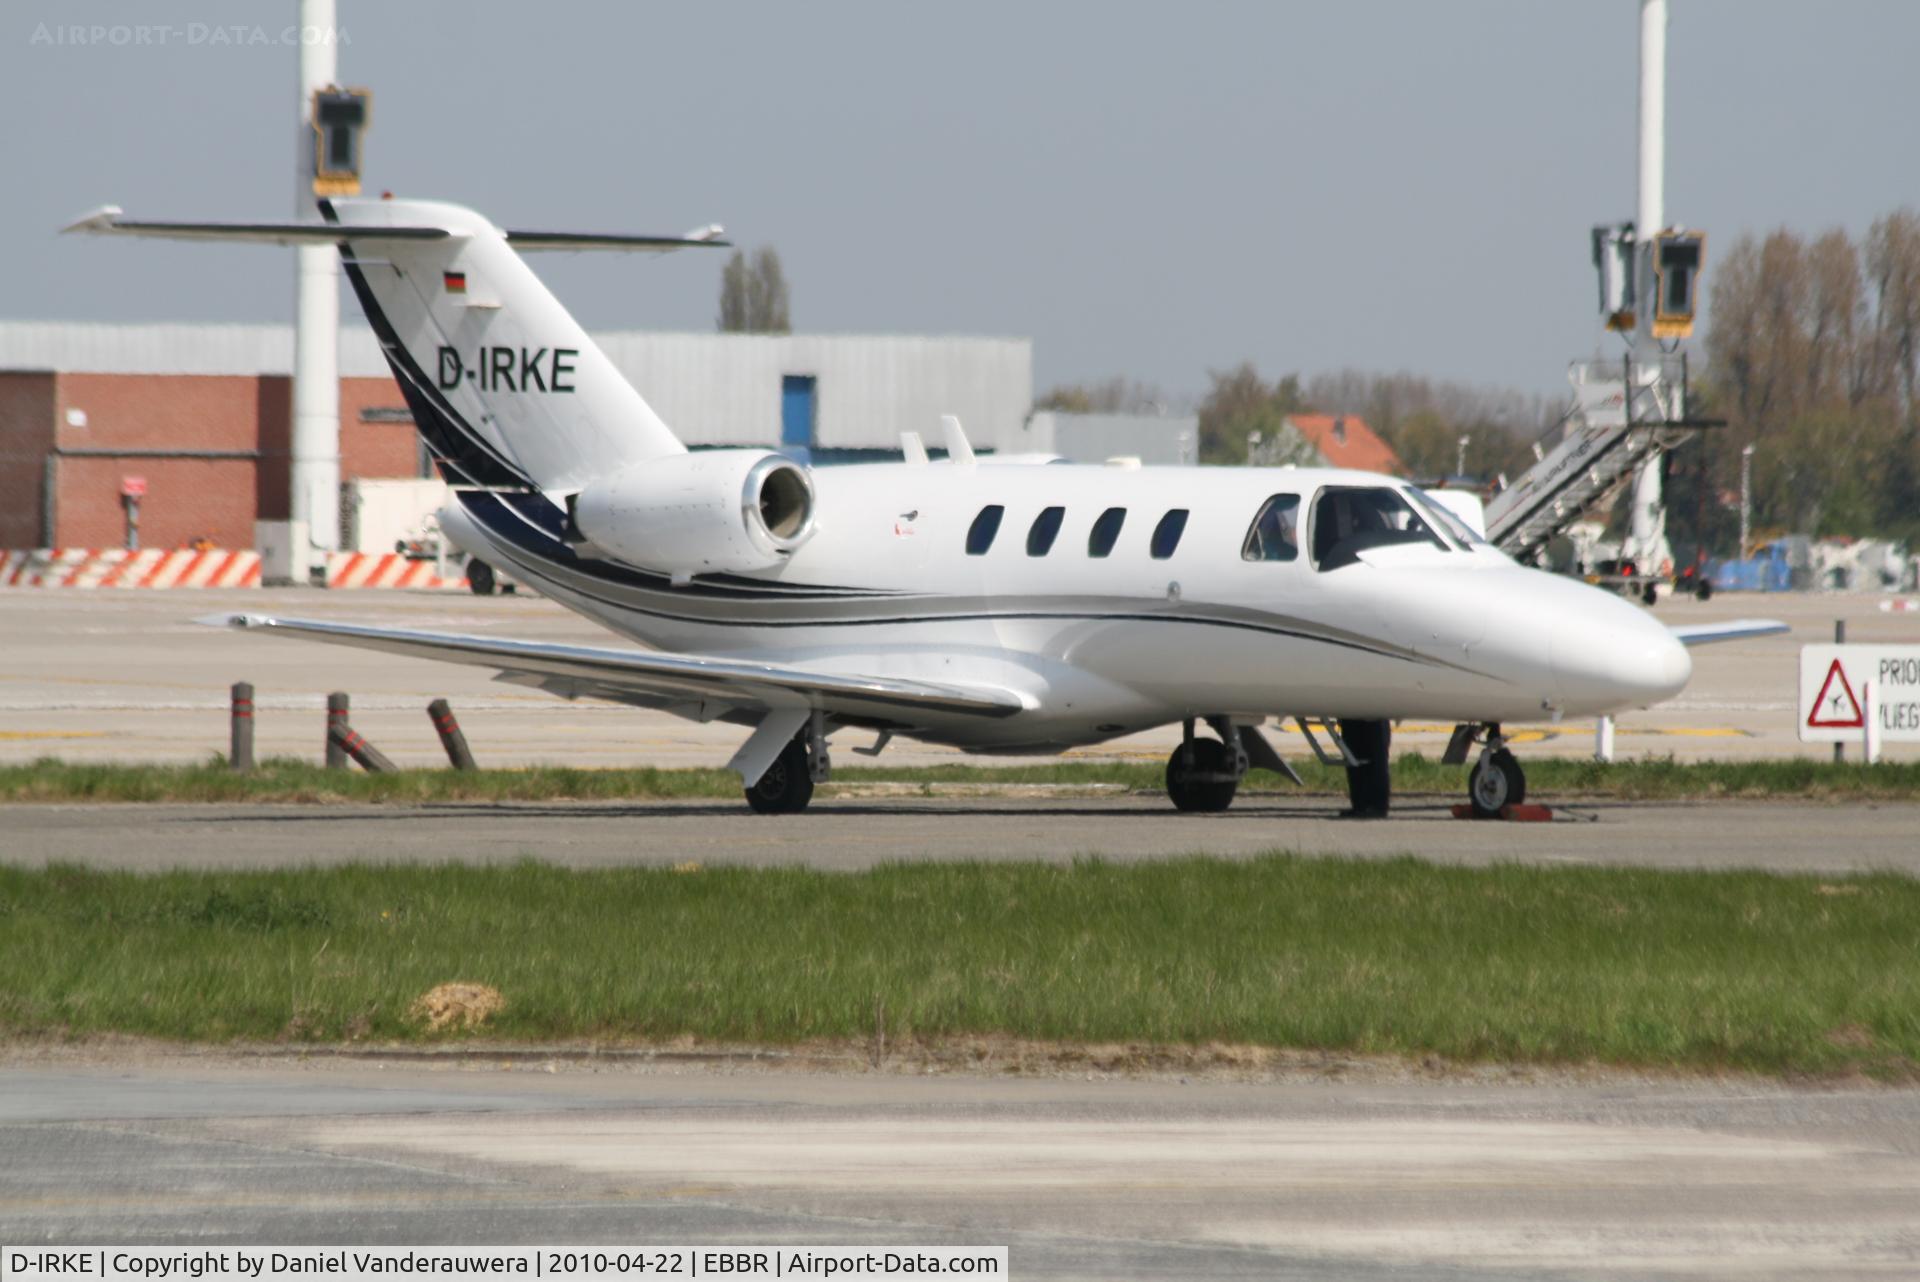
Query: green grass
(52, 780)
(1781, 974)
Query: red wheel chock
(1521, 814)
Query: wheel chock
(1521, 814)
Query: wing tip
(103, 218)
(236, 621)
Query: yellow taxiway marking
(10, 736)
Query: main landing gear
(787, 786)
(1204, 774)
(1496, 780)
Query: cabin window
(1044, 530)
(1274, 534)
(985, 526)
(1349, 520)
(1106, 531)
(1166, 535)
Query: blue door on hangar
(797, 402)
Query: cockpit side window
(1274, 536)
(1349, 520)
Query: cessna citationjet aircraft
(1002, 608)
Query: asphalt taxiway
(847, 834)
(1108, 1178)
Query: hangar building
(200, 416)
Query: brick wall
(187, 498)
(26, 434)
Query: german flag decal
(456, 282)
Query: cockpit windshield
(1349, 520)
(1448, 519)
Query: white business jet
(999, 608)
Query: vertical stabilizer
(505, 385)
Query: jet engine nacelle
(715, 511)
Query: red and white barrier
(119, 568)
(384, 570)
(213, 568)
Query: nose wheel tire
(1496, 783)
(787, 786)
(1200, 777)
(480, 580)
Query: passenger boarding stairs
(1605, 437)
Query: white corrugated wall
(714, 389)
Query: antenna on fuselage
(959, 449)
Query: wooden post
(336, 720)
(371, 759)
(450, 737)
(240, 753)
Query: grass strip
(1742, 970)
(289, 780)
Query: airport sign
(1841, 685)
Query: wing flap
(1732, 630)
(648, 675)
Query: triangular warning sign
(1836, 708)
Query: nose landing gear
(1497, 781)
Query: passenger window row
(1348, 520)
(1100, 539)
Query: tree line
(1811, 355)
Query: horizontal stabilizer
(710, 237)
(1732, 630)
(110, 220)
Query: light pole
(1460, 460)
(1746, 498)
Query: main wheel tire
(787, 786)
(1496, 783)
(480, 578)
(1651, 595)
(1370, 784)
(1704, 590)
(1185, 785)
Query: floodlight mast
(1646, 542)
(1653, 120)
(314, 491)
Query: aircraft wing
(1732, 630)
(652, 678)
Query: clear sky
(1148, 190)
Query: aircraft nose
(1612, 655)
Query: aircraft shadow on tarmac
(435, 812)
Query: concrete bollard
(240, 752)
(450, 737)
(371, 759)
(336, 717)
